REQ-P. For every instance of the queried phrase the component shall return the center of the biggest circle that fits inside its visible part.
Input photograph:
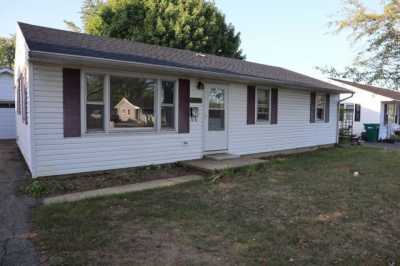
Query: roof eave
(7, 71)
(49, 57)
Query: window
(346, 112)
(168, 104)
(115, 102)
(19, 95)
(94, 102)
(216, 110)
(132, 102)
(262, 104)
(22, 97)
(320, 102)
(391, 113)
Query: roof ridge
(51, 40)
(137, 42)
(156, 46)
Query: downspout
(338, 115)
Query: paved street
(15, 246)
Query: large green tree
(378, 61)
(7, 51)
(196, 25)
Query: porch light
(200, 85)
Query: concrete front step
(208, 165)
(221, 156)
(121, 189)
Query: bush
(36, 189)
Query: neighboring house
(126, 111)
(193, 104)
(370, 104)
(7, 109)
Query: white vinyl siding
(58, 155)
(370, 106)
(24, 131)
(293, 129)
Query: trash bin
(372, 131)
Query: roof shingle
(49, 40)
(395, 95)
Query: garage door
(7, 121)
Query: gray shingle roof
(395, 95)
(42, 39)
(6, 70)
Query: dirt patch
(330, 217)
(58, 185)
(157, 246)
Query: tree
(7, 51)
(196, 25)
(72, 26)
(379, 62)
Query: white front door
(216, 138)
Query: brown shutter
(274, 106)
(72, 102)
(184, 105)
(327, 108)
(25, 103)
(357, 112)
(251, 105)
(385, 114)
(19, 96)
(312, 107)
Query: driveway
(15, 246)
(387, 146)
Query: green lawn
(306, 209)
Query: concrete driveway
(15, 246)
(388, 146)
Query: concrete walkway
(16, 247)
(121, 189)
(210, 165)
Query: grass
(305, 209)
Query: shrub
(36, 189)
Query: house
(7, 112)
(370, 104)
(192, 104)
(128, 113)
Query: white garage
(7, 106)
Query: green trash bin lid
(371, 126)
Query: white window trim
(258, 121)
(175, 104)
(84, 102)
(316, 110)
(106, 100)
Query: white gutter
(77, 59)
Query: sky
(286, 33)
